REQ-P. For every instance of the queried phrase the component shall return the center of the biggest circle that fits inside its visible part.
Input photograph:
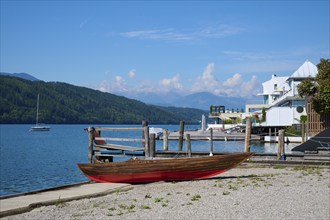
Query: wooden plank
(118, 154)
(118, 129)
(118, 147)
(119, 139)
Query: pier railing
(109, 146)
(103, 148)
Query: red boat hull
(155, 176)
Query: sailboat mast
(37, 110)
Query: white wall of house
(283, 116)
(272, 88)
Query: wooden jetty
(102, 149)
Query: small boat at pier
(162, 169)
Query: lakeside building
(283, 105)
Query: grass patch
(196, 197)
(111, 209)
(233, 187)
(98, 204)
(279, 167)
(145, 207)
(59, 203)
(225, 193)
(148, 196)
(158, 199)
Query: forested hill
(62, 103)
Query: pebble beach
(250, 191)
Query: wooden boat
(153, 170)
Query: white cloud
(119, 80)
(167, 34)
(217, 31)
(233, 86)
(207, 81)
(132, 73)
(208, 72)
(250, 87)
(103, 86)
(233, 81)
(168, 84)
(119, 84)
(221, 30)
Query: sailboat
(39, 127)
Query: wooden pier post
(144, 124)
(90, 131)
(188, 144)
(180, 141)
(247, 135)
(146, 141)
(303, 132)
(283, 146)
(211, 142)
(165, 139)
(152, 145)
(280, 145)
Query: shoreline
(249, 191)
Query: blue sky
(222, 47)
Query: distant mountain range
(20, 75)
(63, 103)
(201, 100)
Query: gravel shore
(251, 191)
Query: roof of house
(306, 70)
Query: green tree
(263, 117)
(319, 90)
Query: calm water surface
(38, 160)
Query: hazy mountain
(20, 75)
(203, 100)
(152, 98)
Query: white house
(280, 97)
(273, 89)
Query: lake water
(38, 160)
